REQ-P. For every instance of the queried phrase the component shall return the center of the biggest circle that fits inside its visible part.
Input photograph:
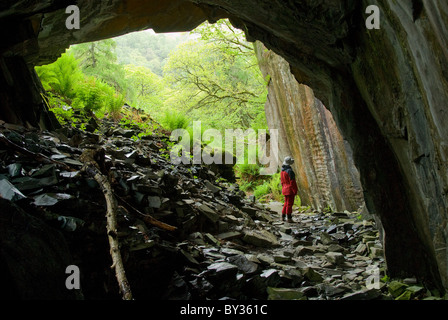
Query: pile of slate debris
(225, 246)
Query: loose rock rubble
(226, 246)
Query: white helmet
(288, 161)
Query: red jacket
(288, 180)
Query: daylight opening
(93, 183)
(207, 79)
(192, 111)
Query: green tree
(216, 78)
(227, 37)
(92, 94)
(94, 54)
(146, 49)
(147, 88)
(99, 59)
(144, 82)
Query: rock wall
(386, 89)
(401, 73)
(326, 174)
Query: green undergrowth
(264, 188)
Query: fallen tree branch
(148, 218)
(93, 169)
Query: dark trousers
(287, 207)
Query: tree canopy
(210, 75)
(216, 78)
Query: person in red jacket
(289, 188)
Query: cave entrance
(207, 82)
(329, 49)
(213, 75)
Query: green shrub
(62, 76)
(248, 172)
(115, 104)
(63, 114)
(327, 210)
(276, 187)
(175, 120)
(262, 190)
(93, 94)
(47, 76)
(246, 186)
(55, 104)
(297, 201)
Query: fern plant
(93, 95)
(115, 104)
(175, 120)
(62, 76)
(47, 76)
(262, 190)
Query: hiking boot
(290, 218)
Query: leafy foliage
(147, 89)
(62, 76)
(98, 59)
(86, 77)
(173, 120)
(262, 190)
(210, 75)
(216, 78)
(93, 94)
(248, 172)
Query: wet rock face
(406, 93)
(387, 90)
(326, 174)
(33, 257)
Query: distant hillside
(147, 49)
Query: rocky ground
(225, 246)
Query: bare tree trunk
(93, 169)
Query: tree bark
(148, 218)
(93, 169)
